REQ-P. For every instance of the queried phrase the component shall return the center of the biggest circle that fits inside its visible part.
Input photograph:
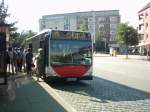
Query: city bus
(67, 54)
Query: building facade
(101, 24)
(144, 29)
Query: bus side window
(42, 44)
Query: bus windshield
(70, 52)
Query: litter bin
(114, 53)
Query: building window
(139, 27)
(113, 26)
(112, 38)
(112, 32)
(90, 19)
(90, 27)
(101, 25)
(100, 19)
(146, 14)
(141, 16)
(44, 26)
(113, 19)
(67, 24)
(146, 36)
(146, 25)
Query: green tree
(3, 12)
(82, 26)
(19, 38)
(14, 37)
(24, 35)
(3, 15)
(126, 36)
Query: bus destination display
(71, 35)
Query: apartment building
(144, 28)
(101, 24)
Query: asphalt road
(133, 73)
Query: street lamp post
(125, 36)
(105, 45)
(93, 32)
(93, 13)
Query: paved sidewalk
(24, 94)
(134, 57)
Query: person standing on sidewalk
(15, 61)
(40, 64)
(111, 51)
(29, 61)
(19, 59)
(11, 60)
(24, 60)
(148, 54)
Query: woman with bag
(40, 63)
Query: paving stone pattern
(101, 95)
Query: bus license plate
(1, 80)
(71, 79)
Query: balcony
(141, 38)
(141, 16)
(141, 29)
(141, 22)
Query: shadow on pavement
(101, 89)
(26, 95)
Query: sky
(28, 12)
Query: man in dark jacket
(29, 60)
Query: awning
(143, 44)
(113, 45)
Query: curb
(66, 107)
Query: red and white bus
(67, 54)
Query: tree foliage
(24, 35)
(82, 26)
(127, 35)
(3, 12)
(3, 15)
(21, 37)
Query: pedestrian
(19, 59)
(111, 51)
(15, 60)
(29, 61)
(40, 64)
(24, 60)
(10, 63)
(7, 61)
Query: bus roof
(51, 30)
(41, 32)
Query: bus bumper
(85, 78)
(66, 78)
